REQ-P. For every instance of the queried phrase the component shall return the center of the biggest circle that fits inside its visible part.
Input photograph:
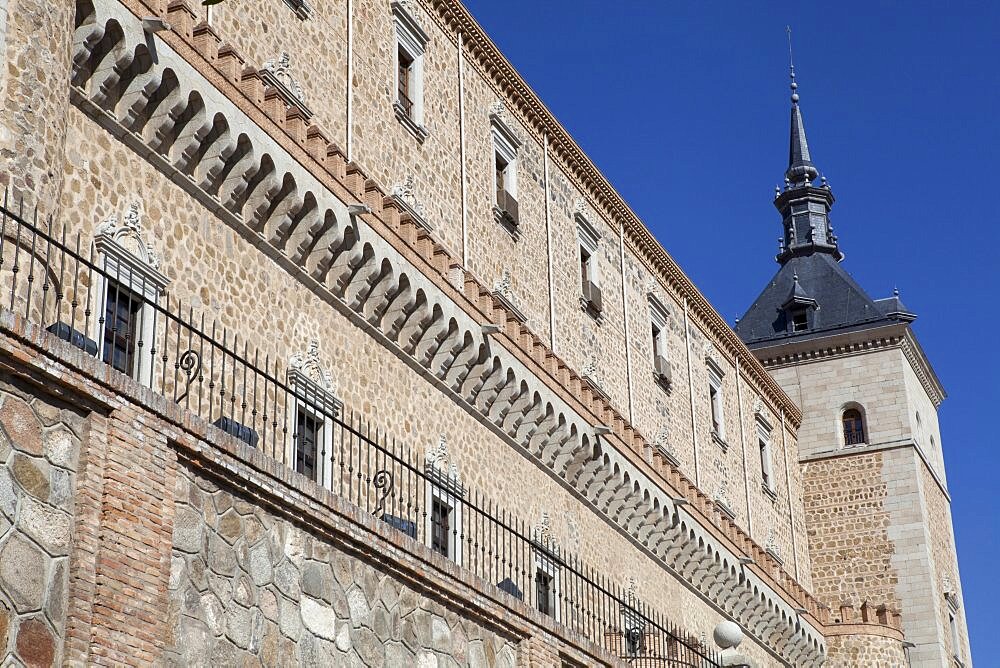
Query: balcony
(285, 413)
(505, 212)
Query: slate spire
(804, 207)
(801, 171)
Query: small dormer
(798, 309)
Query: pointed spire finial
(791, 67)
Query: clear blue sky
(684, 106)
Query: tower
(870, 451)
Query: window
(308, 435)
(716, 403)
(589, 238)
(545, 592)
(404, 74)
(443, 503)
(505, 145)
(408, 71)
(311, 408)
(955, 643)
(441, 525)
(854, 428)
(546, 581)
(127, 291)
(764, 447)
(658, 320)
(122, 313)
(800, 321)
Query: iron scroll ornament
(190, 363)
(382, 480)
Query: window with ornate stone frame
(588, 240)
(716, 402)
(547, 566)
(659, 318)
(505, 147)
(311, 409)
(408, 70)
(443, 499)
(766, 456)
(951, 598)
(126, 292)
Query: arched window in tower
(854, 427)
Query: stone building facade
(324, 344)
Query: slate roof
(841, 304)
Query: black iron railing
(117, 313)
(854, 436)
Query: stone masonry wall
(849, 541)
(213, 269)
(945, 567)
(851, 651)
(248, 588)
(39, 450)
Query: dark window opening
(584, 266)
(501, 179)
(800, 321)
(656, 343)
(635, 641)
(121, 320)
(545, 592)
(441, 527)
(765, 464)
(713, 397)
(404, 75)
(854, 428)
(308, 432)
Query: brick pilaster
(136, 529)
(86, 540)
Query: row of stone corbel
(177, 119)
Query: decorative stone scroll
(722, 489)
(128, 234)
(771, 545)
(439, 467)
(277, 73)
(662, 443)
(543, 532)
(308, 366)
(503, 290)
(405, 194)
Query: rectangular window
(658, 315)
(122, 313)
(765, 462)
(403, 75)
(308, 436)
(501, 180)
(441, 527)
(545, 592)
(800, 321)
(589, 239)
(955, 646)
(715, 401)
(309, 416)
(411, 41)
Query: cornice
(894, 336)
(453, 16)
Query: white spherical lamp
(727, 634)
